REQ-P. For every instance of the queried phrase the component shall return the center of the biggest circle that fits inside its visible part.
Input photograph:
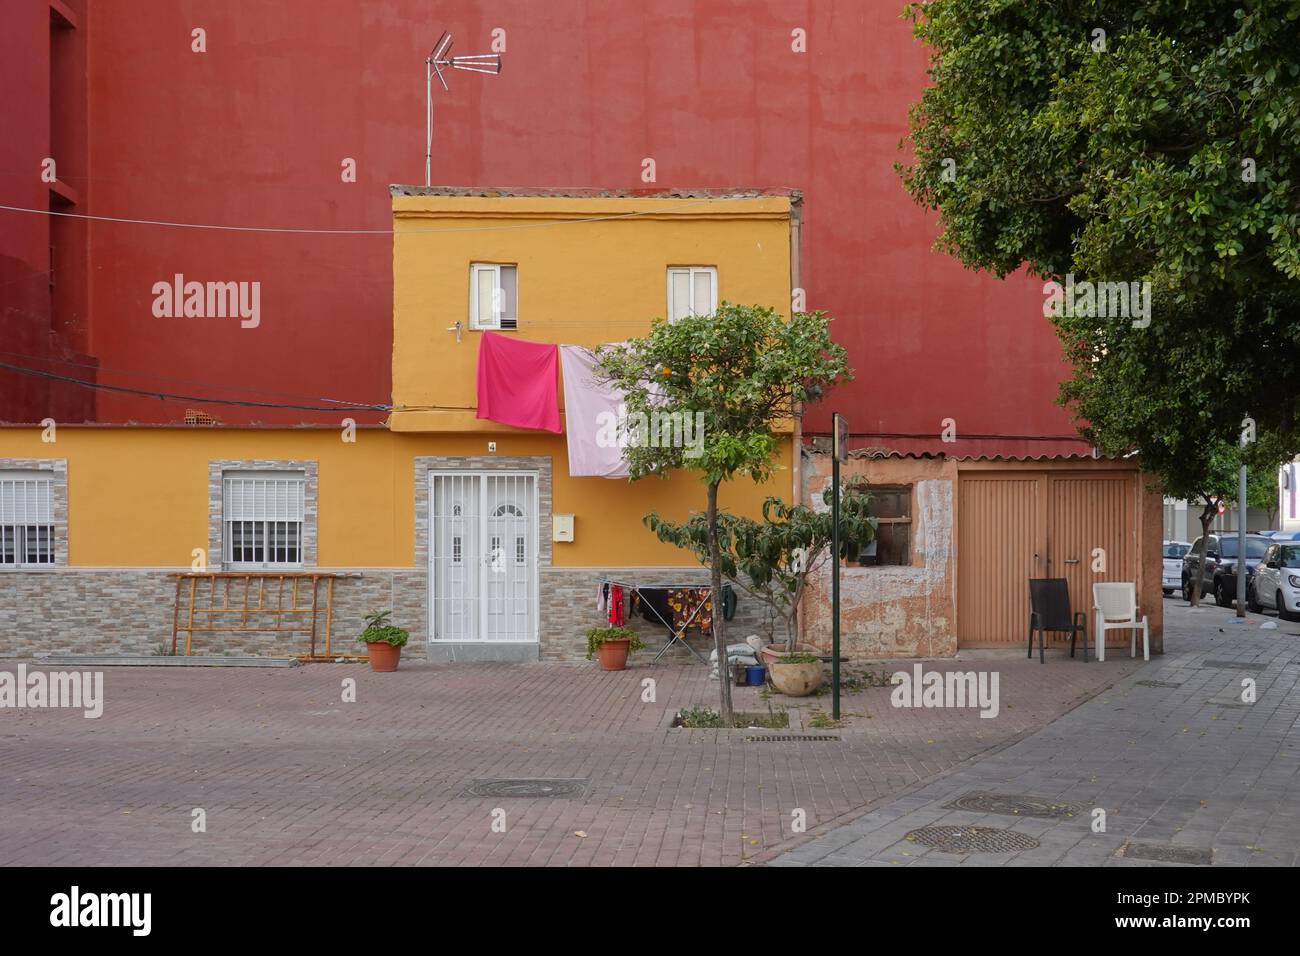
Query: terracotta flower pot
(613, 655)
(796, 680)
(383, 656)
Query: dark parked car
(1220, 575)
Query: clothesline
(695, 607)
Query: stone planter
(796, 680)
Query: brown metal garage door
(1016, 525)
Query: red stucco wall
(253, 132)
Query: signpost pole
(840, 429)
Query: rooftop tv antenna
(437, 61)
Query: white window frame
(269, 562)
(10, 480)
(691, 272)
(499, 322)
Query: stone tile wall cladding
(130, 611)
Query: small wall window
(891, 506)
(493, 296)
(262, 517)
(26, 519)
(692, 290)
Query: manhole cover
(1164, 853)
(787, 738)
(1157, 683)
(527, 788)
(1014, 805)
(1235, 665)
(972, 839)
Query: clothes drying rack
(676, 636)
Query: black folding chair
(1049, 600)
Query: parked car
(1171, 574)
(1219, 577)
(1276, 583)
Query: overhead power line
(199, 399)
(283, 230)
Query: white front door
(483, 556)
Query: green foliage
(597, 636)
(742, 368)
(699, 717)
(799, 658)
(380, 631)
(1171, 157)
(1263, 459)
(771, 559)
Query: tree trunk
(719, 624)
(1207, 515)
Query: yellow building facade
(473, 532)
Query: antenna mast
(435, 63)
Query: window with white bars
(262, 518)
(493, 296)
(692, 290)
(26, 519)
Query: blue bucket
(755, 675)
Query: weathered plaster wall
(904, 611)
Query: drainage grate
(526, 788)
(1014, 805)
(1164, 853)
(1157, 683)
(972, 839)
(1236, 665)
(789, 738)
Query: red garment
(516, 383)
(616, 618)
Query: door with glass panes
(483, 556)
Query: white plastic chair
(1115, 607)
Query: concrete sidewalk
(1185, 770)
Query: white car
(1277, 580)
(1171, 576)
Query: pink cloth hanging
(589, 406)
(516, 383)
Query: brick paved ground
(1183, 762)
(289, 774)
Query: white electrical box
(562, 527)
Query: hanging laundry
(517, 383)
(589, 406)
(616, 618)
(692, 607)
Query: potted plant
(384, 641)
(796, 674)
(612, 645)
(773, 560)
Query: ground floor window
(26, 519)
(262, 517)
(891, 506)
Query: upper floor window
(262, 517)
(692, 290)
(26, 519)
(493, 296)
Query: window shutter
(26, 498)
